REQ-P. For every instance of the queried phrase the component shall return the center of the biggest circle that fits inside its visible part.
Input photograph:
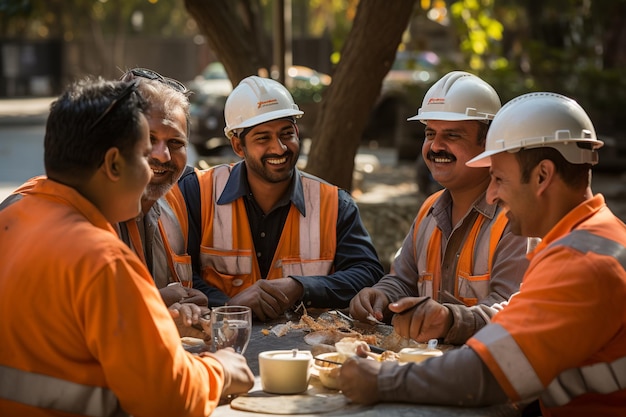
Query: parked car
(402, 90)
(212, 87)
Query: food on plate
(419, 354)
(331, 337)
(327, 372)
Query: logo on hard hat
(437, 100)
(266, 103)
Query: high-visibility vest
(173, 228)
(605, 377)
(306, 247)
(473, 269)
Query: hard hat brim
(266, 117)
(446, 116)
(482, 159)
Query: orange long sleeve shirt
(81, 309)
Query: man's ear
(235, 142)
(545, 172)
(113, 164)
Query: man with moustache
(459, 257)
(264, 234)
(561, 339)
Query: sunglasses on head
(127, 91)
(153, 75)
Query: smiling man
(262, 233)
(559, 342)
(460, 251)
(94, 338)
(159, 233)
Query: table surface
(261, 341)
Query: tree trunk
(366, 57)
(234, 33)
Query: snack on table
(419, 354)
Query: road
(22, 126)
(21, 153)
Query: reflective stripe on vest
(469, 291)
(309, 228)
(13, 198)
(175, 242)
(43, 391)
(603, 377)
(511, 360)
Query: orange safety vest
(173, 227)
(472, 273)
(306, 247)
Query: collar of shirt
(442, 210)
(237, 187)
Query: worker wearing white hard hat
(560, 340)
(264, 234)
(459, 251)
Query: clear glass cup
(231, 326)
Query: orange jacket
(563, 336)
(227, 249)
(82, 319)
(173, 229)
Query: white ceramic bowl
(285, 371)
(417, 355)
(328, 373)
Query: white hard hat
(459, 96)
(257, 100)
(536, 120)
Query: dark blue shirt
(356, 262)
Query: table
(294, 339)
(260, 342)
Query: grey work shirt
(509, 264)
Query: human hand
(196, 297)
(358, 380)
(191, 320)
(268, 299)
(176, 293)
(238, 378)
(420, 320)
(368, 302)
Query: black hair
(90, 117)
(573, 175)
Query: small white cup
(285, 371)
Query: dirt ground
(399, 183)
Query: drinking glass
(231, 326)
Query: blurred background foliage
(575, 47)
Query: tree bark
(366, 57)
(234, 33)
